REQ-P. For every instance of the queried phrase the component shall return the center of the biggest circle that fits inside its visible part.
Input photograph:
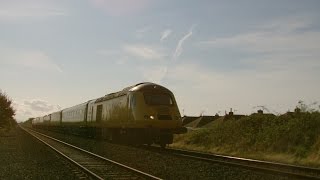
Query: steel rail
(86, 166)
(288, 170)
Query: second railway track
(95, 166)
(291, 171)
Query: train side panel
(36, 121)
(40, 120)
(112, 113)
(74, 115)
(56, 118)
(90, 112)
(47, 119)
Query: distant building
(201, 121)
(231, 115)
(260, 112)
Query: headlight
(148, 117)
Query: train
(145, 113)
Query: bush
(293, 133)
(6, 112)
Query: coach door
(131, 105)
(99, 113)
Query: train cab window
(158, 99)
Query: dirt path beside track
(23, 157)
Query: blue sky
(214, 55)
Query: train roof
(145, 86)
(75, 106)
(148, 87)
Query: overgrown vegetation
(6, 112)
(295, 135)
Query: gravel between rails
(24, 157)
(162, 165)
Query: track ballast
(93, 165)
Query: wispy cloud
(121, 7)
(289, 24)
(275, 45)
(28, 58)
(283, 54)
(39, 105)
(158, 73)
(165, 34)
(33, 107)
(179, 48)
(269, 42)
(281, 35)
(15, 10)
(144, 51)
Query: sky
(213, 55)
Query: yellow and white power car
(145, 113)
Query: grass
(6, 132)
(290, 138)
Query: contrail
(165, 34)
(177, 52)
(179, 49)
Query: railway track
(92, 165)
(291, 171)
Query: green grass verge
(291, 138)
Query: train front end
(154, 109)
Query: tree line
(7, 112)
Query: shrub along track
(290, 171)
(93, 165)
(162, 163)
